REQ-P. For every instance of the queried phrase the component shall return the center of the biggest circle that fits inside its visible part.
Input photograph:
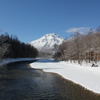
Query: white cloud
(82, 30)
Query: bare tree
(4, 49)
(81, 47)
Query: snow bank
(85, 75)
(7, 61)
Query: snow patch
(7, 61)
(85, 75)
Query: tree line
(11, 47)
(80, 47)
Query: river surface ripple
(19, 81)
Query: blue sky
(31, 19)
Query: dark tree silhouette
(11, 47)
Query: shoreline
(86, 76)
(14, 60)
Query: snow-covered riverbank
(85, 75)
(11, 60)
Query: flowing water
(18, 81)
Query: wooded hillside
(80, 47)
(11, 47)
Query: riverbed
(18, 81)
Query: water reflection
(20, 82)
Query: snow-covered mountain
(47, 42)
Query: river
(18, 81)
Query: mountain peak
(47, 41)
(51, 34)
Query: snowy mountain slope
(47, 42)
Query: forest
(80, 47)
(11, 47)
